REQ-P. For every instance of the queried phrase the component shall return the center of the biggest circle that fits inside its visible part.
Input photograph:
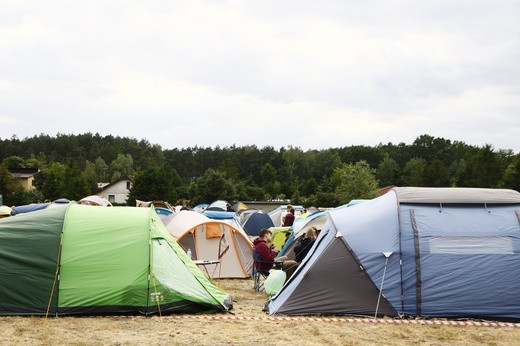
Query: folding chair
(258, 274)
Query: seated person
(304, 245)
(266, 252)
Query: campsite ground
(246, 325)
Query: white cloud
(299, 73)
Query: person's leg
(289, 267)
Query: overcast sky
(308, 74)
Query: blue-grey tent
(429, 252)
(253, 221)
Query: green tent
(279, 235)
(79, 259)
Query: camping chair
(258, 274)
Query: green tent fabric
(279, 235)
(79, 259)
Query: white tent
(209, 239)
(178, 223)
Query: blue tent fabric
(220, 215)
(29, 208)
(163, 211)
(444, 252)
(256, 222)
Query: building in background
(117, 191)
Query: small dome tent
(209, 239)
(253, 221)
(118, 260)
(418, 252)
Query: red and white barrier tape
(345, 320)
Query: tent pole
(56, 278)
(387, 255)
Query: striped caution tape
(346, 320)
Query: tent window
(471, 245)
(213, 230)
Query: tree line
(71, 166)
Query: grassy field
(246, 325)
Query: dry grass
(171, 330)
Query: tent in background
(429, 252)
(178, 223)
(5, 211)
(239, 206)
(118, 260)
(28, 208)
(163, 212)
(276, 215)
(252, 221)
(209, 239)
(199, 208)
(279, 236)
(220, 205)
(299, 227)
(96, 201)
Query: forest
(71, 166)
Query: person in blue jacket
(305, 244)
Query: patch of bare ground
(239, 328)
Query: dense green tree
(21, 197)
(253, 172)
(213, 185)
(294, 162)
(90, 175)
(325, 162)
(7, 185)
(429, 148)
(123, 164)
(268, 174)
(511, 177)
(247, 190)
(14, 162)
(354, 181)
(230, 170)
(101, 169)
(437, 175)
(358, 153)
(388, 172)
(49, 180)
(484, 169)
(74, 186)
(414, 172)
(309, 187)
(324, 199)
(155, 183)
